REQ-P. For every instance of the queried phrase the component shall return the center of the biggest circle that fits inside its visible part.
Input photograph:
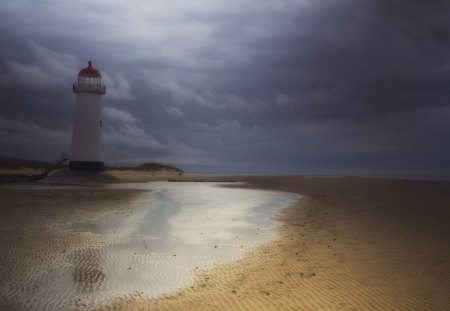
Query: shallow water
(154, 248)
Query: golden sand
(348, 244)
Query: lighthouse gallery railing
(91, 88)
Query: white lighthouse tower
(87, 146)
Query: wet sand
(32, 242)
(70, 247)
(347, 244)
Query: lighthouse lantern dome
(89, 80)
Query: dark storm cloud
(287, 86)
(356, 60)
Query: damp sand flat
(347, 244)
(69, 248)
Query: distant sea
(415, 177)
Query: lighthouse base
(90, 166)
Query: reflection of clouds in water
(195, 226)
(212, 221)
(153, 245)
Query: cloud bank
(348, 87)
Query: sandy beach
(32, 243)
(347, 244)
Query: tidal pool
(156, 246)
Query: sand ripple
(83, 248)
(349, 244)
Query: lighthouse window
(101, 123)
(89, 80)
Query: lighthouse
(87, 146)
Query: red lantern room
(89, 81)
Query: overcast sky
(252, 86)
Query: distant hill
(158, 167)
(15, 163)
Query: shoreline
(349, 243)
(80, 225)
